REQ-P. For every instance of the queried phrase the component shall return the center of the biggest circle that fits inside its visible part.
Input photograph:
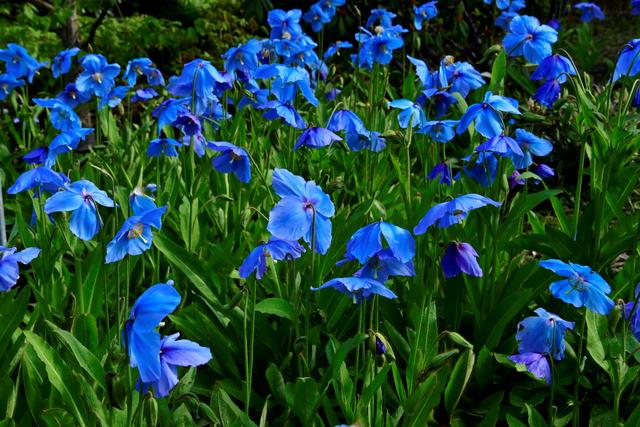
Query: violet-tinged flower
(367, 241)
(98, 76)
(232, 159)
(459, 258)
(628, 63)
(543, 171)
(135, 236)
(452, 212)
(502, 145)
(62, 62)
(543, 334)
(589, 11)
(36, 156)
(40, 178)
(275, 249)
(144, 95)
(554, 23)
(303, 210)
(535, 363)
(463, 78)
(365, 139)
(631, 313)
(515, 179)
(440, 130)
(481, 167)
(548, 93)
(168, 111)
(554, 67)
(188, 123)
(582, 286)
(163, 146)
(486, 115)
(529, 39)
(9, 259)
(442, 170)
(286, 112)
(19, 63)
(345, 120)
(80, 198)
(635, 7)
(72, 97)
(358, 288)
(383, 264)
(316, 137)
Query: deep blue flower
(40, 178)
(554, 23)
(631, 313)
(72, 96)
(504, 4)
(635, 7)
(515, 179)
(36, 156)
(636, 99)
(9, 259)
(276, 249)
(198, 141)
(365, 140)
(463, 78)
(543, 171)
(316, 137)
(589, 12)
(486, 115)
(376, 49)
(98, 76)
(345, 120)
(114, 97)
(383, 264)
(174, 353)
(380, 17)
(168, 112)
(154, 76)
(188, 123)
(19, 63)
(286, 112)
(554, 67)
(452, 212)
(424, 12)
(582, 286)
(529, 39)
(167, 146)
(367, 241)
(284, 24)
(8, 82)
(504, 20)
(243, 59)
(502, 145)
(232, 159)
(316, 17)
(140, 202)
(536, 363)
(135, 236)
(140, 337)
(65, 143)
(442, 170)
(134, 69)
(144, 95)
(80, 198)
(288, 82)
(530, 145)
(411, 114)
(440, 130)
(481, 167)
(442, 98)
(332, 93)
(548, 93)
(629, 60)
(302, 202)
(334, 48)
(61, 115)
(543, 334)
(459, 258)
(198, 80)
(62, 62)
(358, 288)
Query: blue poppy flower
(334, 48)
(286, 112)
(530, 145)
(330, 6)
(631, 310)
(543, 334)
(141, 202)
(365, 140)
(382, 265)
(188, 123)
(452, 212)
(19, 63)
(502, 145)
(628, 63)
(134, 69)
(232, 160)
(168, 111)
(36, 156)
(140, 337)
(440, 130)
(8, 82)
(198, 79)
(635, 7)
(80, 198)
(284, 24)
(380, 17)
(515, 179)
(504, 20)
(422, 72)
(481, 167)
(543, 171)
(463, 78)
(174, 353)
(376, 49)
(358, 288)
(589, 12)
(9, 259)
(243, 59)
(502, 4)
(554, 23)
(302, 202)
(332, 93)
(154, 76)
(442, 170)
(411, 114)
(529, 39)
(289, 81)
(114, 97)
(345, 120)
(424, 12)
(459, 258)
(486, 115)
(72, 97)
(316, 137)
(317, 17)
(163, 146)
(144, 95)
(536, 363)
(442, 98)
(635, 102)
(367, 241)
(554, 67)
(198, 141)
(135, 236)
(61, 115)
(276, 249)
(582, 286)
(65, 143)
(98, 76)
(62, 62)
(548, 93)
(40, 178)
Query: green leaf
(12, 311)
(276, 383)
(498, 72)
(305, 397)
(276, 306)
(596, 330)
(373, 388)
(458, 380)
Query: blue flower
(536, 363)
(529, 39)
(140, 202)
(530, 145)
(482, 168)
(188, 123)
(316, 17)
(554, 23)
(19, 63)
(114, 97)
(367, 241)
(628, 61)
(62, 62)
(166, 146)
(40, 178)
(376, 49)
(635, 7)
(452, 212)
(554, 67)
(276, 249)
(199, 143)
(502, 145)
(334, 48)
(61, 115)
(460, 258)
(286, 112)
(463, 78)
(9, 259)
(232, 160)
(440, 130)
(543, 334)
(504, 20)
(144, 95)
(243, 59)
(543, 171)
(442, 170)
(284, 24)
(168, 111)
(381, 265)
(411, 114)
(302, 203)
(345, 120)
(582, 286)
(80, 198)
(198, 79)
(589, 12)
(358, 288)
(174, 353)
(97, 77)
(365, 139)
(8, 82)
(64, 143)
(548, 93)
(380, 17)
(71, 96)
(135, 236)
(140, 337)
(636, 99)
(425, 12)
(631, 313)
(316, 137)
(486, 115)
(134, 69)
(36, 156)
(289, 81)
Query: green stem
(579, 190)
(576, 387)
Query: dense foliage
(308, 231)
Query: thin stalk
(3, 230)
(576, 387)
(361, 313)
(307, 311)
(579, 190)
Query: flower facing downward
(543, 334)
(316, 137)
(367, 241)
(232, 160)
(135, 236)
(275, 249)
(460, 258)
(9, 259)
(536, 363)
(358, 288)
(452, 212)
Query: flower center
(136, 231)
(577, 283)
(97, 77)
